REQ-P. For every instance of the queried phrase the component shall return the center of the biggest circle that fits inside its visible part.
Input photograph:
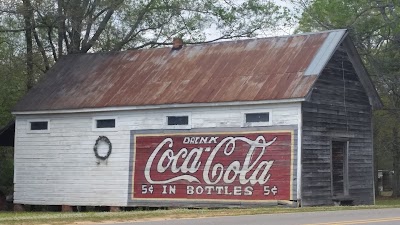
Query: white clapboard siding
(59, 167)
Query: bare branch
(36, 36)
(67, 45)
(139, 19)
(100, 13)
(100, 30)
(41, 48)
(12, 30)
(89, 14)
(50, 39)
(61, 26)
(8, 11)
(223, 37)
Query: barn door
(339, 168)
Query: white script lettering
(213, 171)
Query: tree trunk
(76, 14)
(29, 12)
(396, 161)
(61, 27)
(28, 39)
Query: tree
(81, 26)
(12, 77)
(12, 87)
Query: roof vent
(177, 43)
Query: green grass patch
(388, 201)
(33, 218)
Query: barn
(268, 121)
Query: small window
(105, 123)
(39, 125)
(177, 120)
(257, 117)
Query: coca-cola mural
(219, 166)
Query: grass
(33, 218)
(387, 201)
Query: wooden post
(19, 208)
(115, 209)
(66, 208)
(3, 202)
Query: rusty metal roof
(244, 70)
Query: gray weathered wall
(338, 108)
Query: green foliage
(190, 19)
(12, 87)
(334, 14)
(370, 23)
(383, 139)
(6, 170)
(145, 23)
(12, 78)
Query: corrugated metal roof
(325, 52)
(244, 70)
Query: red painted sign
(219, 166)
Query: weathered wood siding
(338, 109)
(59, 167)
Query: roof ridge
(223, 41)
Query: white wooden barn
(281, 120)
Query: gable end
(362, 73)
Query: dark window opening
(107, 123)
(39, 125)
(178, 120)
(257, 117)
